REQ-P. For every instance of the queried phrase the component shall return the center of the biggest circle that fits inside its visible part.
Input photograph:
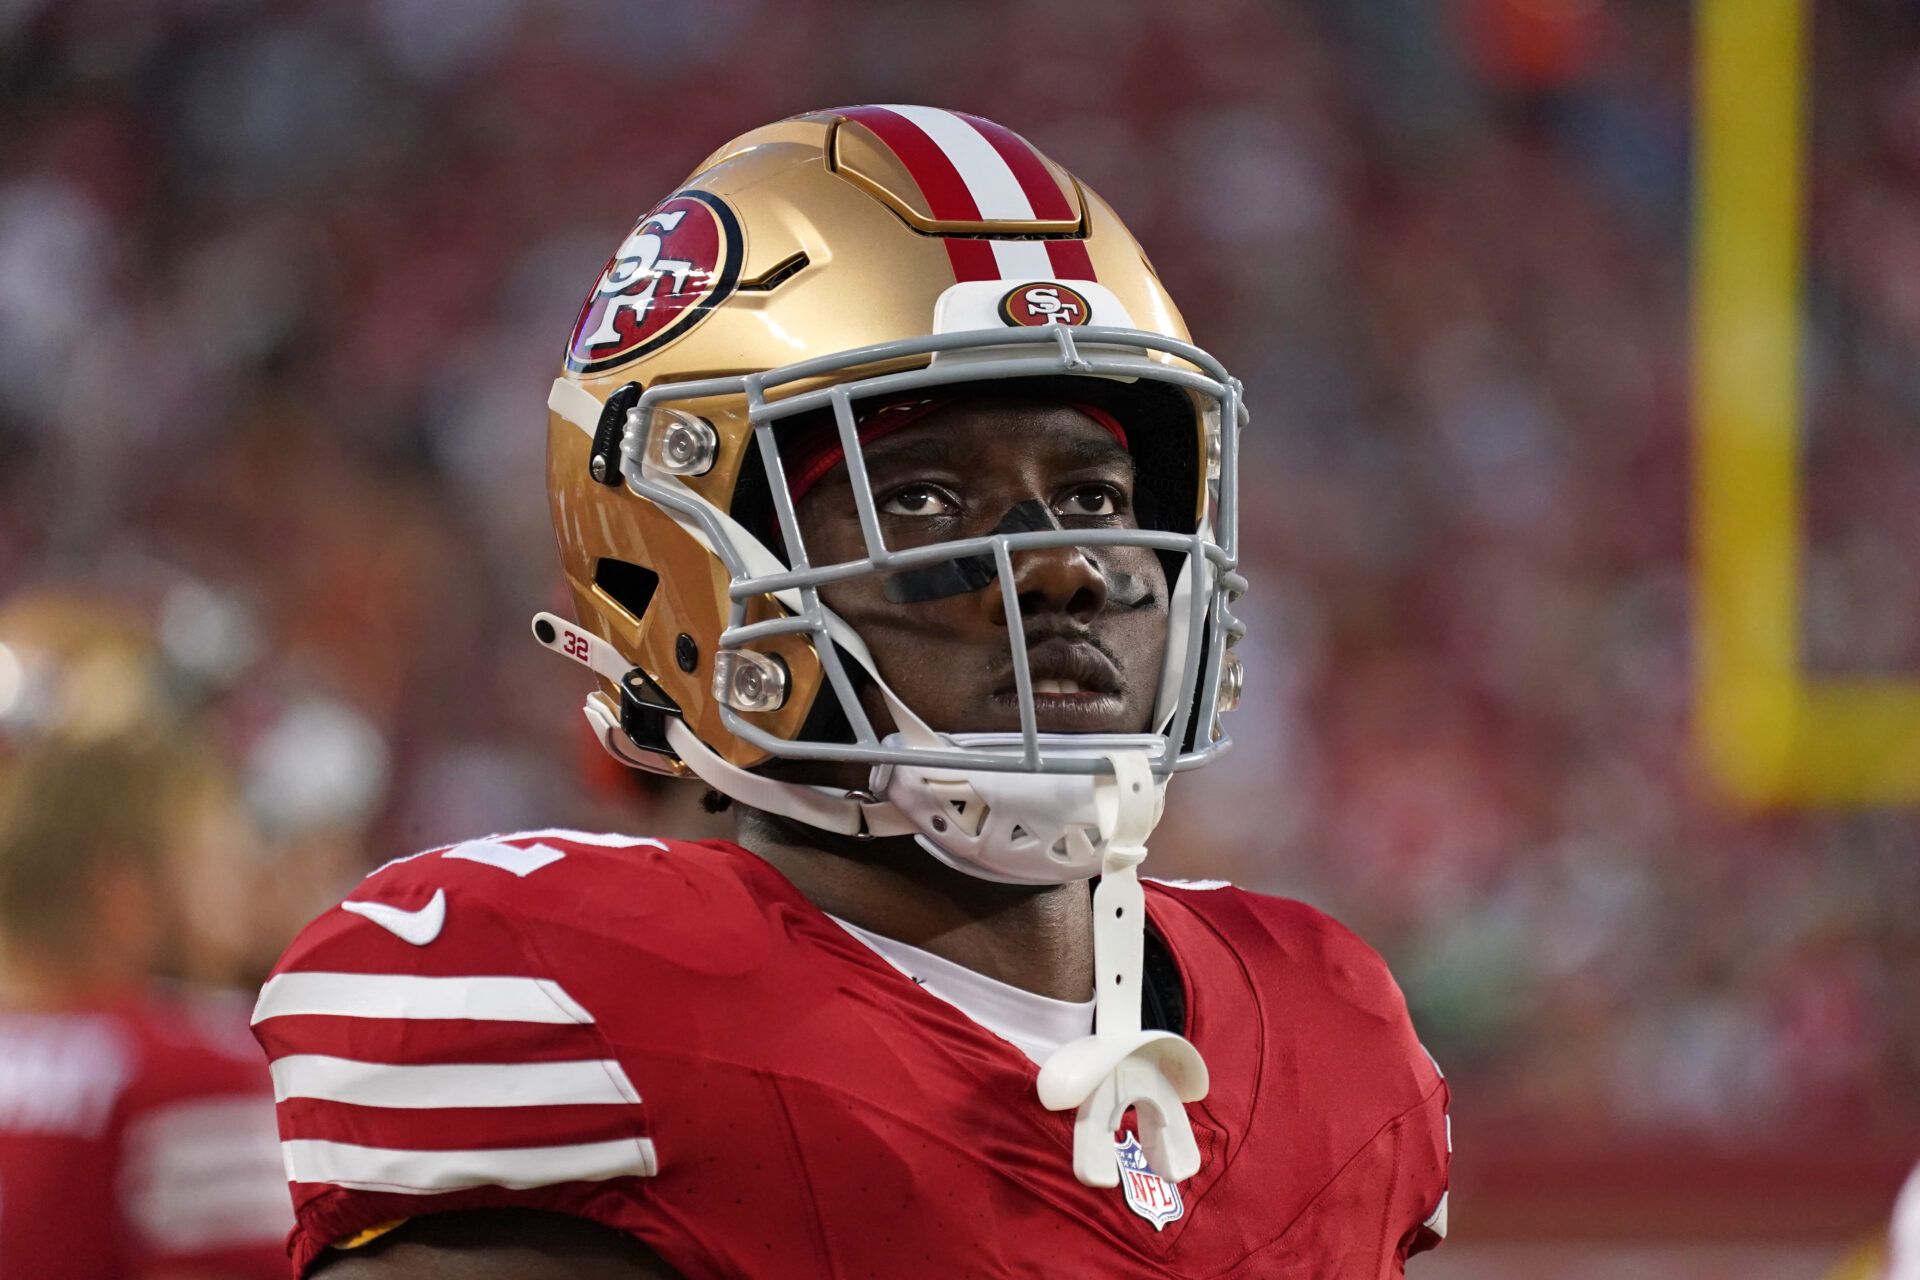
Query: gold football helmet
(813, 273)
(803, 267)
(77, 669)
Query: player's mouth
(1076, 688)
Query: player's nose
(1054, 581)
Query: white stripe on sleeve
(214, 1213)
(344, 1164)
(463, 1084)
(394, 995)
(203, 1173)
(989, 180)
(1437, 1220)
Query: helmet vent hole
(968, 815)
(628, 585)
(781, 272)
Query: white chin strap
(1014, 827)
(1120, 1067)
(826, 808)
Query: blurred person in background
(313, 776)
(136, 1138)
(303, 771)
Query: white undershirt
(1903, 1261)
(1032, 1023)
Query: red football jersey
(136, 1138)
(667, 1038)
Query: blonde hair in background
(73, 814)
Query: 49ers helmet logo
(678, 263)
(1045, 302)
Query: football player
(900, 511)
(136, 1122)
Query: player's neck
(1039, 938)
(33, 979)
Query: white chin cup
(1016, 828)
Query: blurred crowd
(282, 287)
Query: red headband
(812, 453)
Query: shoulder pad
(423, 1045)
(1317, 962)
(524, 852)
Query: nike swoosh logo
(419, 926)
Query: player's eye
(1090, 500)
(920, 500)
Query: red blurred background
(282, 286)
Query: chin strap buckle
(634, 731)
(644, 711)
(1120, 1067)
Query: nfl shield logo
(1148, 1194)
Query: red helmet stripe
(1071, 261)
(972, 259)
(959, 178)
(939, 180)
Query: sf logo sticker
(1045, 303)
(677, 263)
